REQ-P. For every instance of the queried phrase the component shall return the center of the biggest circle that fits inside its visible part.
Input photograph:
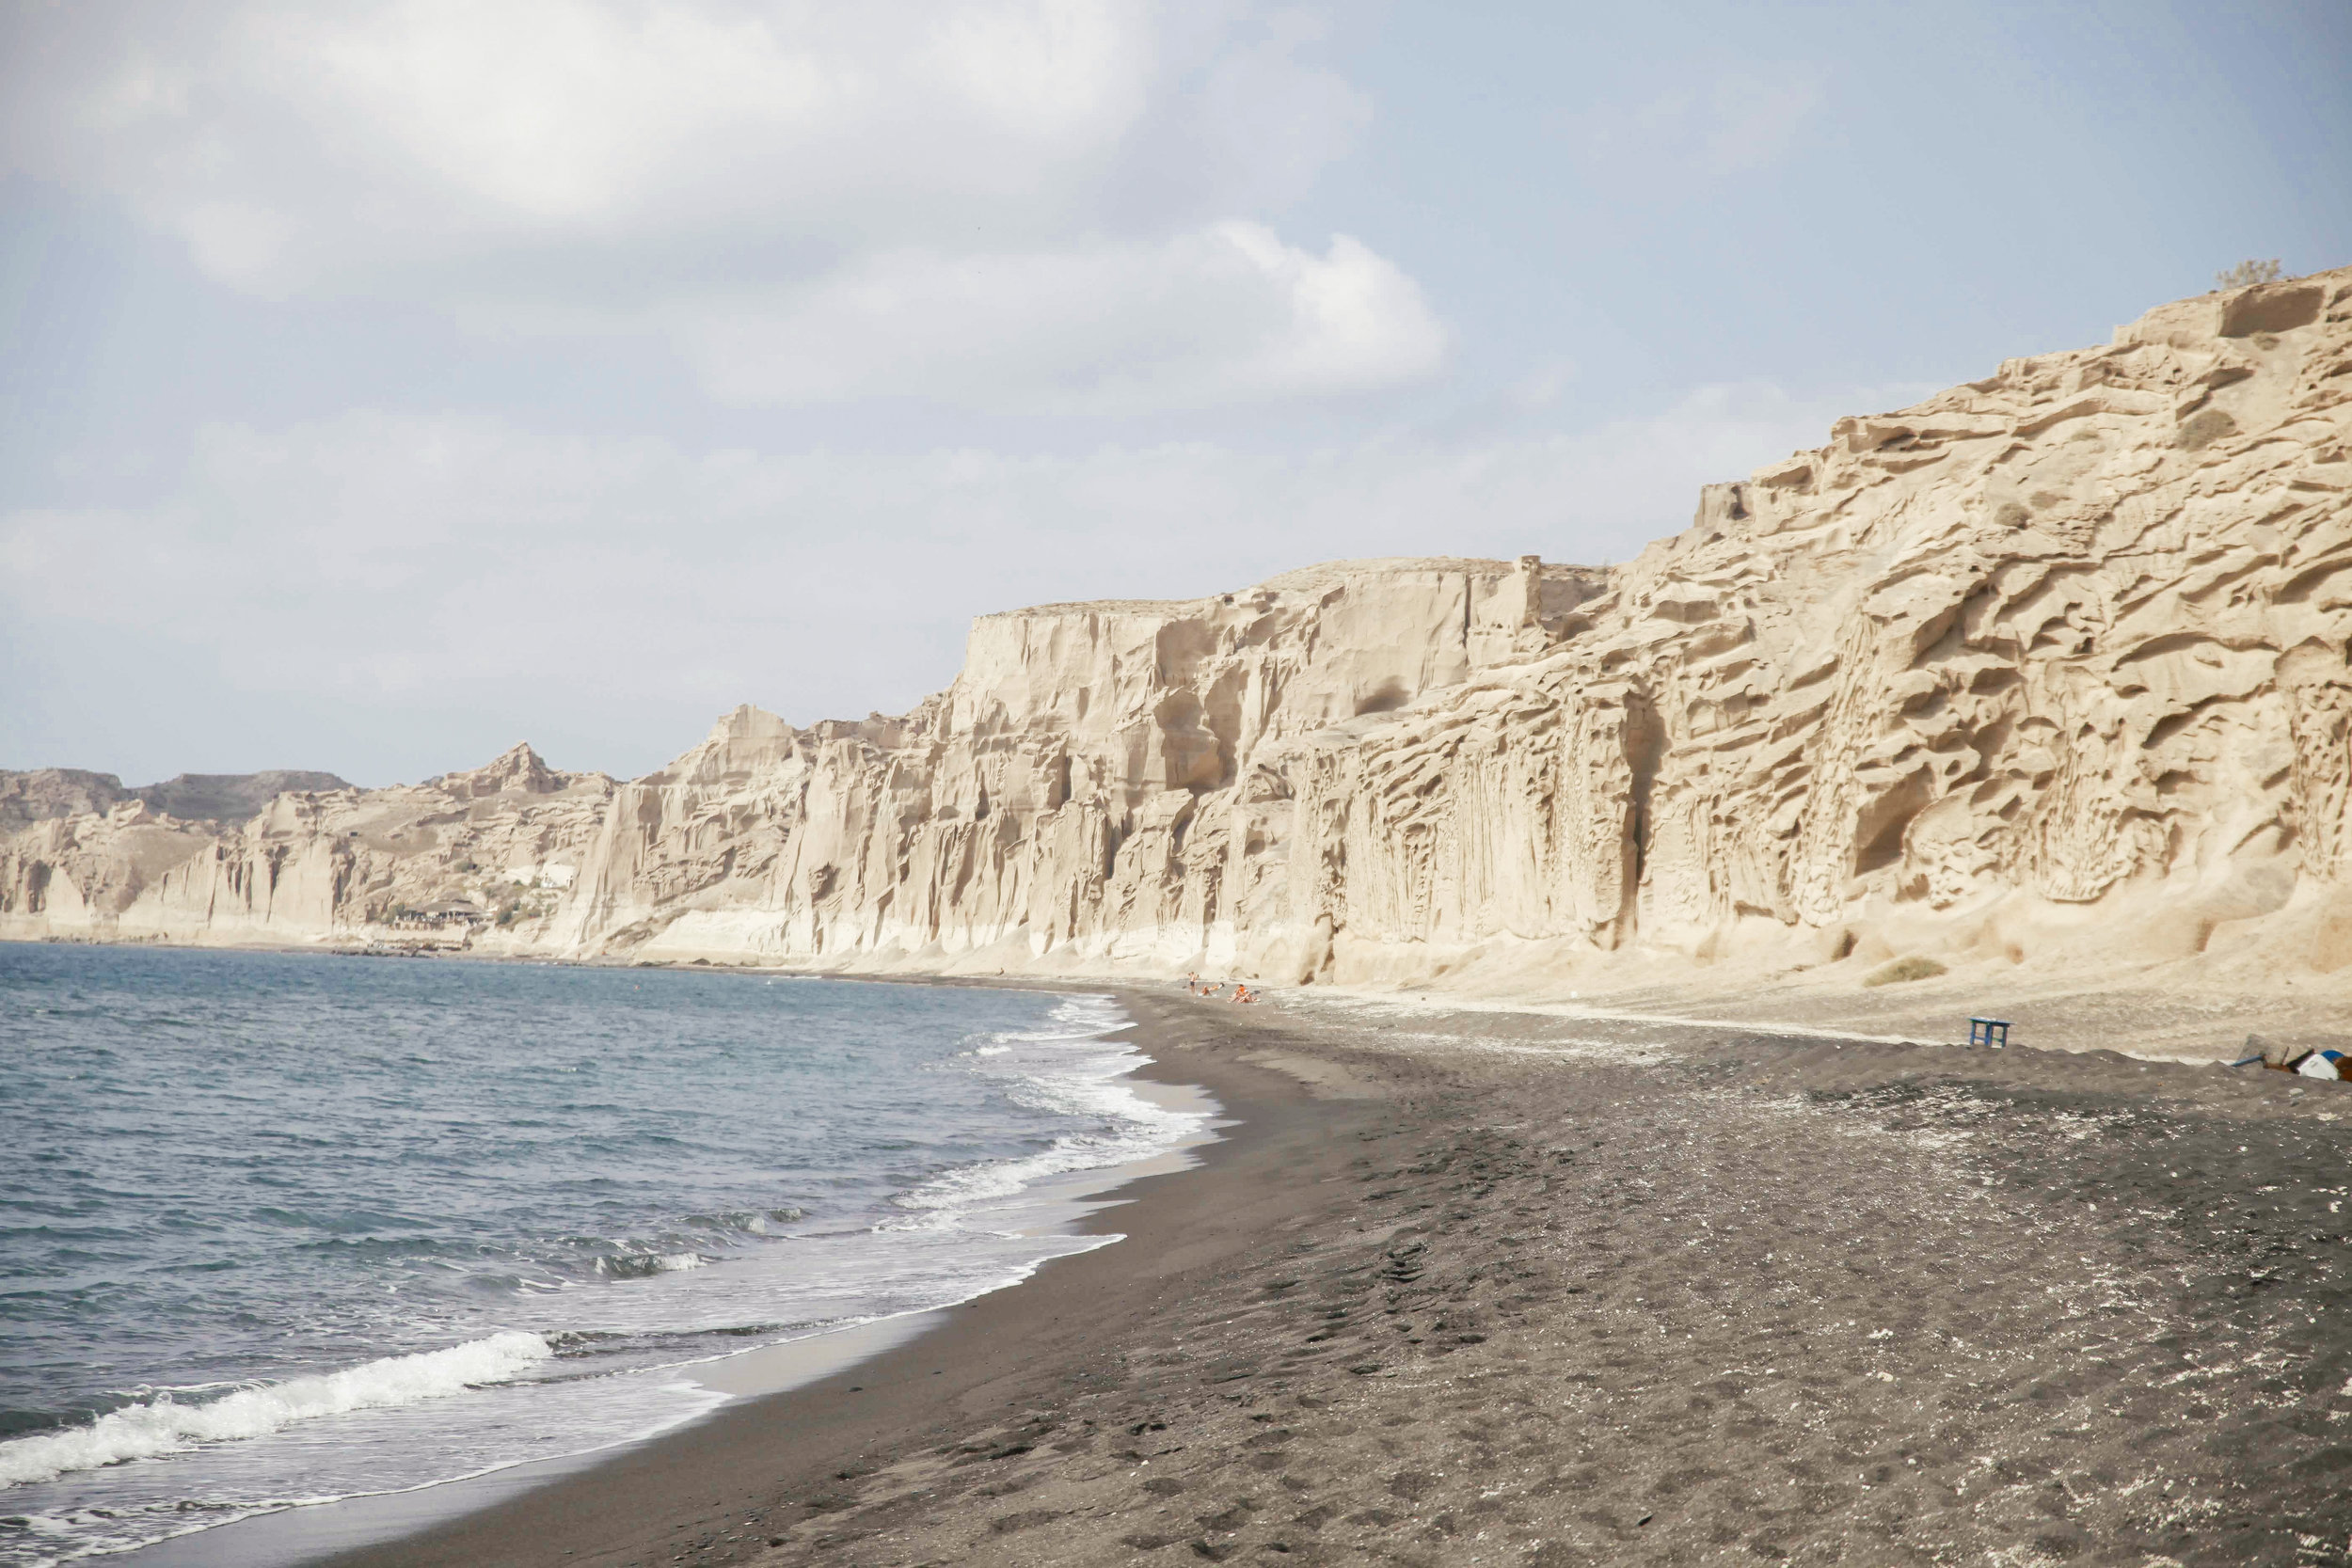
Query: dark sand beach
(1495, 1288)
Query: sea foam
(1091, 1085)
(164, 1425)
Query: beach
(1463, 1287)
(654, 643)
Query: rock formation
(1102, 778)
(2056, 654)
(493, 849)
(47, 792)
(2053, 663)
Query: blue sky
(384, 382)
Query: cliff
(2049, 668)
(1103, 781)
(491, 849)
(2058, 657)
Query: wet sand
(1491, 1287)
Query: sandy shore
(1471, 1288)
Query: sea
(279, 1229)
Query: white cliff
(2056, 658)
(1102, 781)
(499, 842)
(2050, 668)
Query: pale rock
(310, 865)
(2050, 668)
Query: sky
(385, 380)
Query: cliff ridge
(2049, 668)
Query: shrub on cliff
(2247, 274)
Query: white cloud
(1223, 314)
(375, 134)
(451, 567)
(1060, 199)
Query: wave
(749, 1222)
(1077, 1018)
(163, 1425)
(595, 1355)
(1095, 1087)
(644, 1265)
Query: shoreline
(1516, 1289)
(1547, 1290)
(1066, 1204)
(623, 1503)
(2144, 1013)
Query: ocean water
(281, 1229)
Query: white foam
(1090, 1084)
(164, 1426)
(1077, 1018)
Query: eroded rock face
(1103, 779)
(483, 856)
(2051, 662)
(41, 794)
(44, 792)
(2068, 639)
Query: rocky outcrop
(2048, 668)
(2054, 659)
(479, 859)
(1104, 781)
(2052, 662)
(45, 793)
